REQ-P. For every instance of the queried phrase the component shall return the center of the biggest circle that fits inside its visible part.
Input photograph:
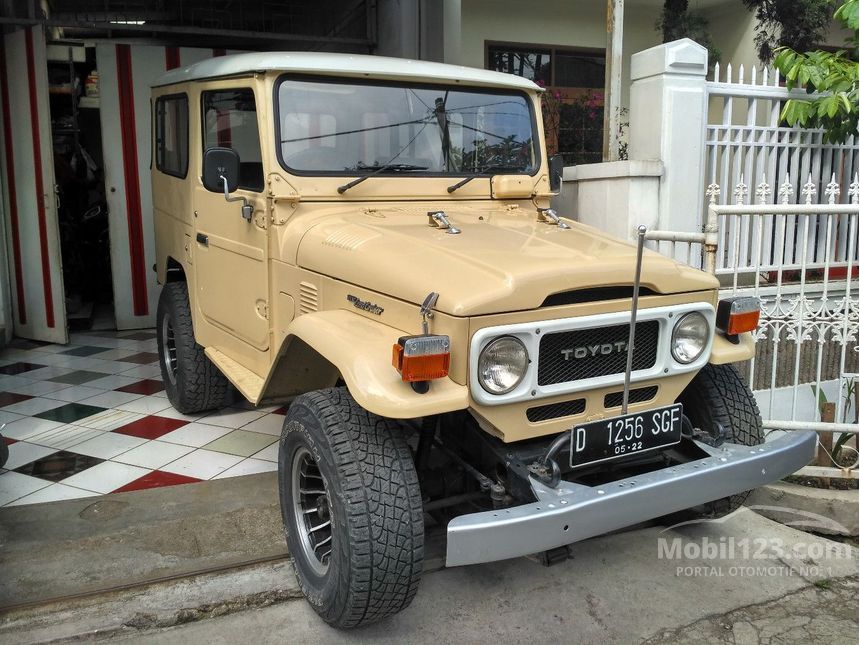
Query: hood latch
(438, 219)
(549, 216)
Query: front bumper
(574, 512)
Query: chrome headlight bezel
(521, 364)
(700, 336)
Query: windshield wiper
(495, 169)
(391, 167)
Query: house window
(230, 121)
(573, 106)
(171, 135)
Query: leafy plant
(832, 75)
(797, 24)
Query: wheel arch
(322, 347)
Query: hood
(503, 260)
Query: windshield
(338, 127)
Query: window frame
(203, 148)
(552, 49)
(347, 80)
(157, 140)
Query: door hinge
(263, 309)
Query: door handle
(203, 239)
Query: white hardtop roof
(354, 65)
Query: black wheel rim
(312, 511)
(168, 348)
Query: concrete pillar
(668, 109)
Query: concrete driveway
(760, 582)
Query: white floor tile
(65, 437)
(110, 367)
(144, 371)
(106, 477)
(45, 373)
(36, 388)
(112, 382)
(109, 419)
(33, 406)
(27, 427)
(111, 398)
(108, 445)
(202, 464)
(53, 493)
(145, 405)
(15, 485)
(22, 452)
(171, 413)
(153, 454)
(75, 393)
(269, 453)
(9, 417)
(249, 466)
(195, 434)
(232, 417)
(270, 424)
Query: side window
(171, 135)
(230, 121)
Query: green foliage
(797, 24)
(677, 21)
(833, 76)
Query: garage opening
(82, 211)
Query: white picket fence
(801, 260)
(746, 143)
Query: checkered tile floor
(92, 417)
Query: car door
(230, 251)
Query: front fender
(319, 346)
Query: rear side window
(230, 121)
(171, 135)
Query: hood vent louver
(308, 297)
(579, 296)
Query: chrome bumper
(573, 512)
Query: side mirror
(556, 173)
(221, 174)
(220, 164)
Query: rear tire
(351, 507)
(192, 382)
(718, 396)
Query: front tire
(718, 397)
(352, 509)
(192, 382)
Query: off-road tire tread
(718, 394)
(200, 386)
(384, 534)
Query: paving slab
(88, 545)
(648, 583)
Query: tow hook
(714, 439)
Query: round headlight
(502, 365)
(690, 337)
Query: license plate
(623, 436)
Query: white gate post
(668, 110)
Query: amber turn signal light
(738, 315)
(422, 358)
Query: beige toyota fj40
(371, 241)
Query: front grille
(555, 410)
(637, 395)
(553, 368)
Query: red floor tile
(156, 479)
(9, 441)
(8, 398)
(146, 386)
(151, 427)
(281, 410)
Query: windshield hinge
(439, 219)
(262, 309)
